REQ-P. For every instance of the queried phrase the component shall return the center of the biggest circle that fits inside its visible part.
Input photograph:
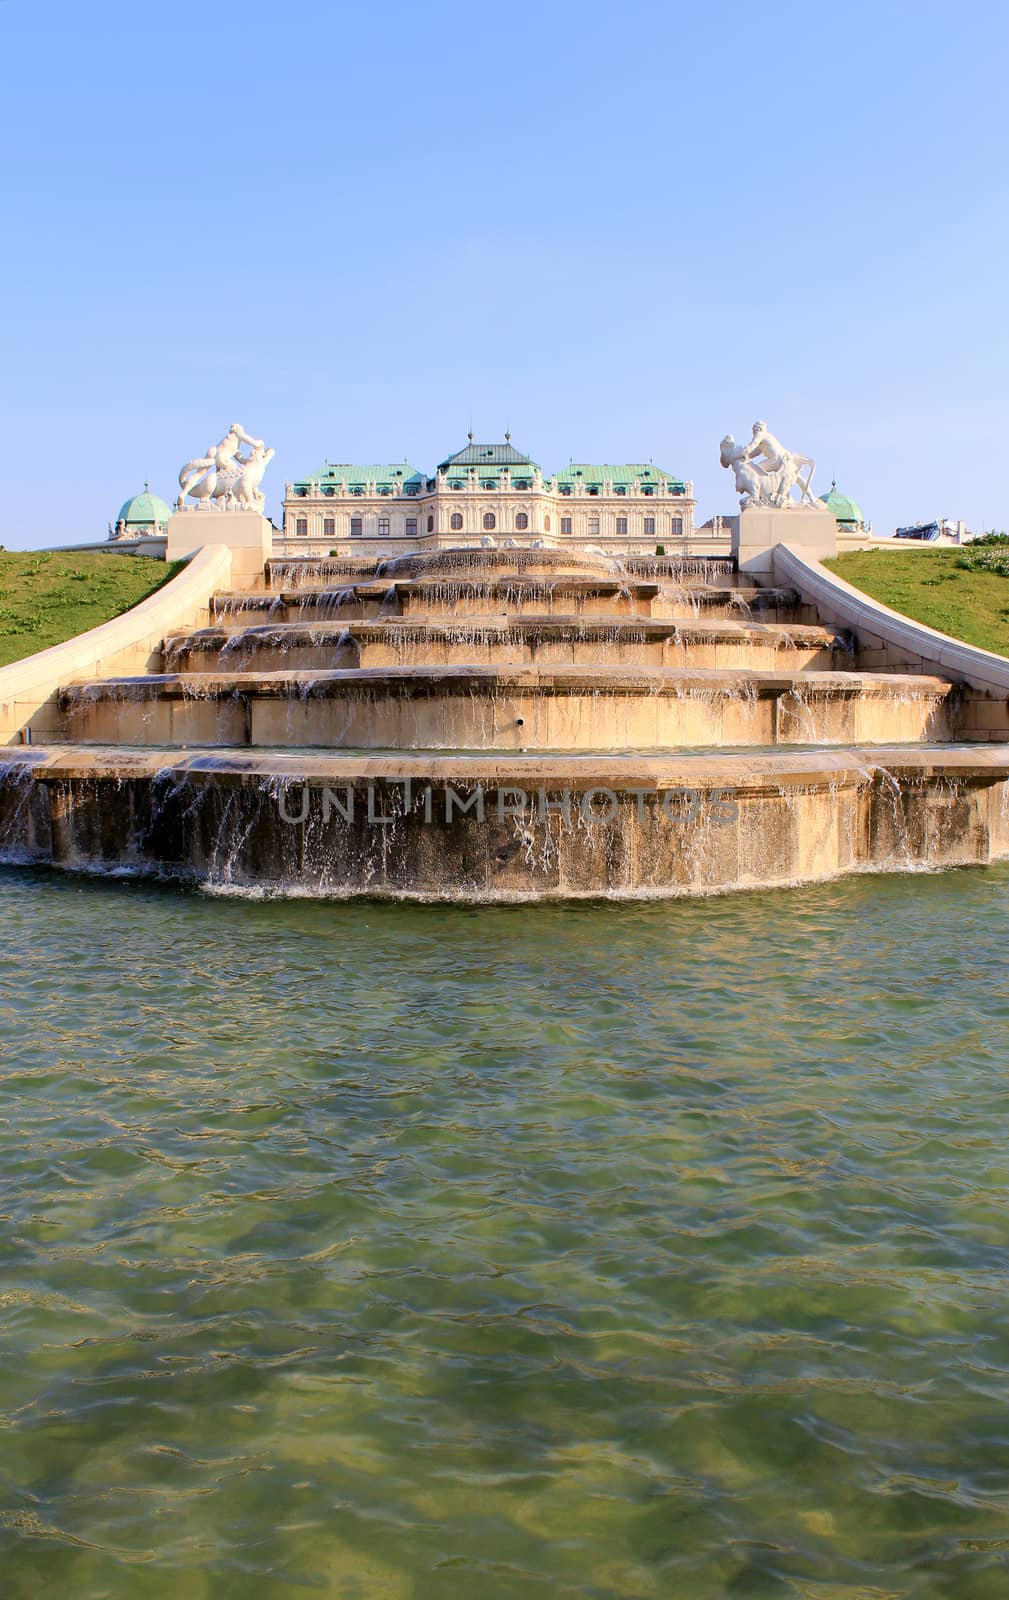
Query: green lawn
(933, 588)
(48, 597)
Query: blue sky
(621, 231)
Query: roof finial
(470, 436)
(147, 485)
(508, 436)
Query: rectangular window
(329, 527)
(356, 527)
(594, 526)
(411, 527)
(383, 527)
(565, 524)
(301, 527)
(649, 527)
(678, 527)
(621, 524)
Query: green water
(616, 1251)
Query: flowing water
(607, 1251)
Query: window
(430, 524)
(383, 527)
(565, 524)
(649, 526)
(620, 489)
(411, 527)
(356, 527)
(455, 521)
(521, 522)
(621, 524)
(301, 527)
(489, 521)
(594, 526)
(678, 527)
(329, 527)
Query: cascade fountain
(508, 723)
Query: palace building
(486, 494)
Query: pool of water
(608, 1251)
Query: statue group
(224, 477)
(766, 473)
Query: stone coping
(763, 771)
(475, 680)
(840, 603)
(577, 626)
(127, 641)
(517, 588)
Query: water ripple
(602, 1251)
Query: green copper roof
(144, 510)
(594, 475)
(841, 507)
(394, 475)
(486, 455)
(397, 477)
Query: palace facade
(486, 494)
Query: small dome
(145, 510)
(841, 508)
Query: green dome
(145, 510)
(841, 508)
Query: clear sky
(621, 230)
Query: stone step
(509, 827)
(307, 572)
(533, 640)
(513, 597)
(512, 708)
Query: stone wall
(130, 643)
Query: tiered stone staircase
(508, 723)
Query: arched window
(521, 522)
(489, 521)
(430, 524)
(455, 522)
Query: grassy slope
(48, 597)
(931, 588)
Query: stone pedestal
(761, 528)
(248, 535)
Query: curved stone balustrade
(131, 642)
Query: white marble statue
(766, 473)
(223, 477)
